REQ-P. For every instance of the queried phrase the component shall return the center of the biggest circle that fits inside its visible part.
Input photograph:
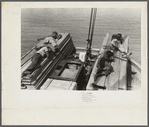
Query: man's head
(117, 36)
(54, 34)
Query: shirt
(42, 51)
(48, 40)
(51, 41)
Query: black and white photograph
(81, 49)
(74, 63)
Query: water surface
(40, 22)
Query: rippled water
(40, 22)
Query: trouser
(54, 48)
(36, 61)
(104, 71)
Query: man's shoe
(23, 86)
(133, 72)
(98, 87)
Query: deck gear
(82, 56)
(91, 31)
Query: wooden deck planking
(101, 81)
(136, 80)
(46, 84)
(117, 80)
(123, 75)
(23, 68)
(112, 81)
(73, 86)
(27, 56)
(59, 84)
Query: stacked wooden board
(55, 84)
(39, 75)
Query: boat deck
(120, 78)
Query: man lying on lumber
(104, 66)
(51, 40)
(47, 45)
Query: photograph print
(81, 49)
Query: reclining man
(116, 42)
(51, 40)
(47, 48)
(37, 59)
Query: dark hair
(120, 35)
(117, 36)
(55, 33)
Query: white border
(107, 110)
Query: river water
(40, 22)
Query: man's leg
(36, 60)
(108, 69)
(98, 74)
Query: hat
(54, 33)
(117, 36)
